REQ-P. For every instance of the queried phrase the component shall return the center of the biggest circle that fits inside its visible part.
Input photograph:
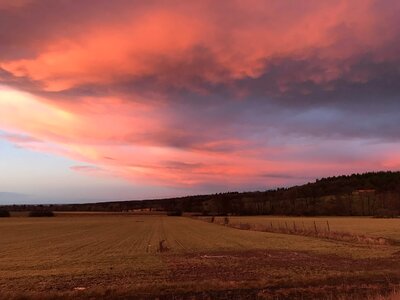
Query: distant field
(388, 228)
(110, 255)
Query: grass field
(108, 256)
(387, 228)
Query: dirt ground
(261, 274)
(289, 274)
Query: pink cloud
(90, 170)
(150, 40)
(153, 92)
(18, 138)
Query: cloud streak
(234, 93)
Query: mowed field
(116, 256)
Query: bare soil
(261, 274)
(350, 278)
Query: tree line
(368, 194)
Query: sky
(148, 99)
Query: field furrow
(123, 253)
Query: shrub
(41, 213)
(176, 213)
(386, 213)
(4, 213)
(162, 247)
(226, 221)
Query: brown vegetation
(41, 213)
(4, 213)
(370, 194)
(121, 256)
(162, 246)
(300, 229)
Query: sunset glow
(186, 97)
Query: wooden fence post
(327, 223)
(315, 227)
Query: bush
(176, 213)
(41, 213)
(386, 213)
(4, 213)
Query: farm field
(387, 228)
(112, 256)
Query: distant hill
(368, 194)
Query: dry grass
(375, 227)
(121, 254)
(299, 228)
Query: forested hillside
(375, 193)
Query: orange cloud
(159, 40)
(108, 134)
(186, 93)
(7, 4)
